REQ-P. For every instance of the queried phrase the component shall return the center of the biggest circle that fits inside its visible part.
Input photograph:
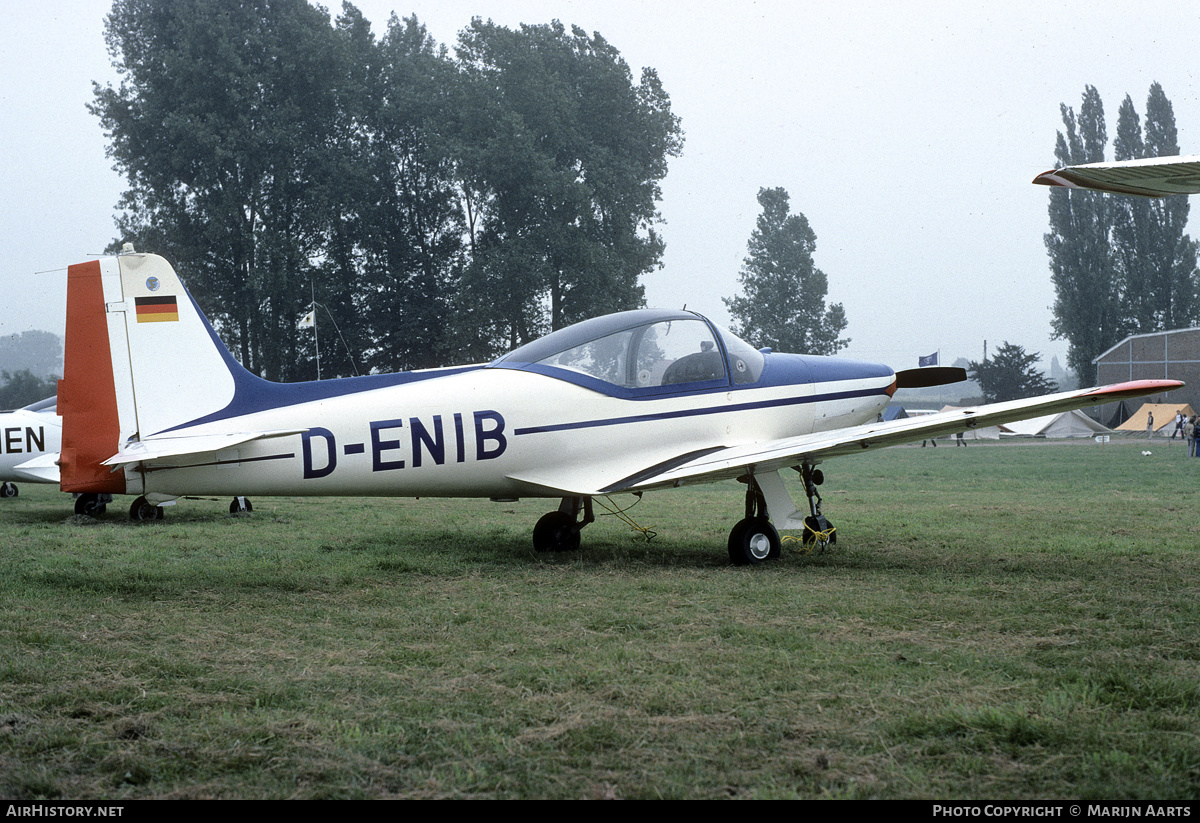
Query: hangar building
(1164, 355)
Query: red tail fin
(87, 399)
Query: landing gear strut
(754, 539)
(8, 490)
(818, 531)
(558, 531)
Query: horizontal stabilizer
(1151, 177)
(160, 448)
(41, 469)
(929, 376)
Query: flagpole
(316, 337)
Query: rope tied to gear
(612, 508)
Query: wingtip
(1138, 388)
(1048, 178)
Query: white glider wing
(1152, 177)
(724, 463)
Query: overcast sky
(907, 134)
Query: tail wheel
(241, 505)
(9, 490)
(142, 510)
(93, 505)
(752, 541)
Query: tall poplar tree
(1170, 275)
(1121, 265)
(782, 304)
(1087, 306)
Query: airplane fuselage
(504, 432)
(25, 435)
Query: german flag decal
(156, 309)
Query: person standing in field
(1149, 425)
(1189, 432)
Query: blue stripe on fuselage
(673, 415)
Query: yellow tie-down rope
(819, 539)
(613, 509)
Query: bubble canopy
(651, 351)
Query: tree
(223, 124)
(1121, 265)
(22, 388)
(40, 352)
(432, 205)
(1010, 375)
(1087, 306)
(1155, 260)
(1169, 274)
(782, 304)
(561, 157)
(403, 234)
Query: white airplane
(154, 406)
(29, 440)
(1151, 177)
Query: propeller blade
(929, 376)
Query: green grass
(1001, 621)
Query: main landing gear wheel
(143, 511)
(9, 490)
(558, 531)
(240, 505)
(753, 541)
(93, 505)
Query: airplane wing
(159, 448)
(1152, 177)
(730, 462)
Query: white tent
(1072, 423)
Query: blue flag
(928, 360)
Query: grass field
(1012, 621)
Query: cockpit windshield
(643, 350)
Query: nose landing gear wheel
(818, 533)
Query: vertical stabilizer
(181, 371)
(140, 360)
